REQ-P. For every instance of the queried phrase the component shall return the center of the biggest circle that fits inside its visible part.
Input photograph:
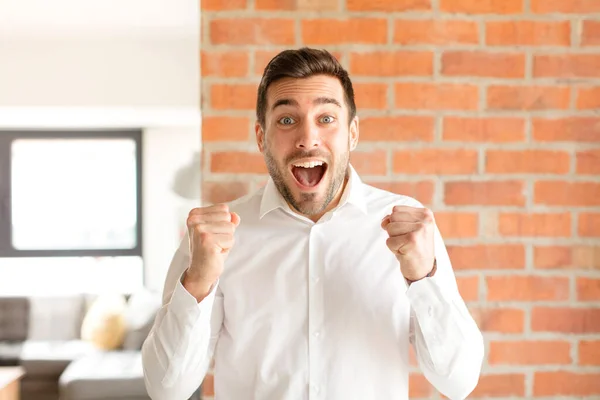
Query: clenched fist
(410, 231)
(211, 232)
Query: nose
(308, 136)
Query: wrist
(196, 285)
(429, 274)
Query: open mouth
(309, 174)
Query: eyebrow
(318, 100)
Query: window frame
(6, 139)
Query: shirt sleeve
(447, 341)
(176, 354)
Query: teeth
(309, 164)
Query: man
(315, 286)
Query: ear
(354, 133)
(260, 136)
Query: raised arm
(446, 339)
(177, 352)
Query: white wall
(104, 64)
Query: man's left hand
(410, 231)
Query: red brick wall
(485, 110)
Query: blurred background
(487, 111)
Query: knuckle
(427, 215)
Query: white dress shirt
(308, 310)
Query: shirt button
(316, 279)
(316, 389)
(316, 334)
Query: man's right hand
(211, 230)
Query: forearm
(448, 343)
(178, 350)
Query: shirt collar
(353, 194)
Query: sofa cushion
(104, 375)
(139, 316)
(50, 358)
(10, 353)
(56, 317)
(14, 318)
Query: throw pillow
(104, 324)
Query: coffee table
(10, 382)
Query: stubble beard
(308, 203)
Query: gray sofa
(42, 334)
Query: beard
(313, 203)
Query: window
(73, 193)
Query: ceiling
(34, 17)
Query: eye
(286, 121)
(327, 119)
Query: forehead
(305, 90)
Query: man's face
(307, 141)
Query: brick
(457, 225)
(567, 7)
(531, 352)
(482, 6)
(436, 31)
(468, 286)
(222, 192)
(391, 63)
(414, 128)
(499, 385)
(223, 5)
(386, 5)
(499, 320)
(483, 129)
(440, 96)
(528, 33)
(589, 224)
(528, 98)
(588, 289)
(233, 96)
(370, 95)
(565, 320)
(567, 257)
(483, 64)
(590, 35)
(296, 5)
(224, 64)
(570, 129)
(565, 383)
(419, 387)
(588, 162)
(561, 193)
(237, 162)
(589, 352)
(249, 31)
(527, 162)
(566, 66)
(435, 161)
(588, 98)
(487, 257)
(535, 224)
(485, 193)
(527, 288)
(208, 385)
(369, 163)
(344, 31)
(227, 129)
(420, 190)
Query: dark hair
(303, 63)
